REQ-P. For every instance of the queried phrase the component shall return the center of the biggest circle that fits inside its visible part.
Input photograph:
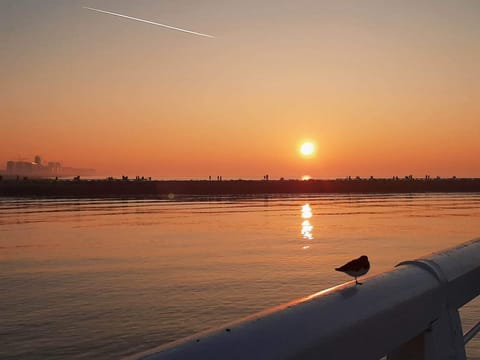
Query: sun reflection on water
(307, 230)
(307, 227)
(306, 211)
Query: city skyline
(380, 89)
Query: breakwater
(160, 188)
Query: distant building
(36, 169)
(10, 166)
(21, 167)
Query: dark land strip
(162, 188)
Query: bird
(356, 268)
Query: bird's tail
(338, 269)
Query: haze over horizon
(380, 88)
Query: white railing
(409, 313)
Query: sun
(307, 149)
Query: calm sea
(83, 279)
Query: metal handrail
(412, 309)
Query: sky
(382, 88)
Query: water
(85, 279)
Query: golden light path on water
(306, 225)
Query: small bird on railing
(356, 268)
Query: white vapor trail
(149, 22)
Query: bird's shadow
(349, 291)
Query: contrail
(149, 22)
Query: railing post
(445, 339)
(442, 341)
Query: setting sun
(307, 149)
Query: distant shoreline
(172, 188)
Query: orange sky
(382, 88)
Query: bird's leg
(356, 281)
